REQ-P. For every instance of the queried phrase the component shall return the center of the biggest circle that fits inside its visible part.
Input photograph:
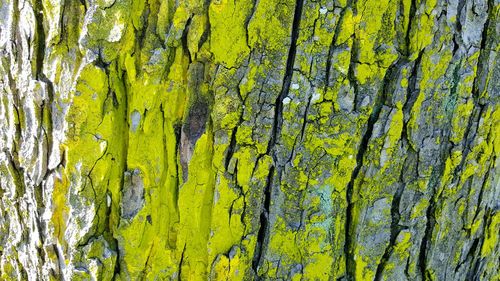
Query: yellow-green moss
(227, 31)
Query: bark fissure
(395, 227)
(262, 235)
(285, 89)
(333, 44)
(362, 150)
(435, 198)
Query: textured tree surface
(249, 140)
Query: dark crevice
(170, 62)
(434, 186)
(456, 46)
(144, 272)
(262, 235)
(184, 42)
(483, 187)
(470, 254)
(230, 149)
(100, 63)
(457, 40)
(451, 104)
(395, 214)
(207, 29)
(475, 268)
(429, 227)
(204, 37)
(469, 136)
(484, 35)
(84, 4)
(333, 44)
(411, 18)
(478, 109)
(242, 193)
(434, 202)
(264, 224)
(247, 21)
(351, 75)
(60, 261)
(117, 268)
(353, 60)
(40, 36)
(46, 107)
(304, 120)
(177, 132)
(141, 34)
(109, 6)
(460, 9)
(278, 107)
(363, 148)
(413, 88)
(232, 142)
(411, 96)
(47, 122)
(180, 263)
(126, 128)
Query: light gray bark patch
(132, 194)
(135, 120)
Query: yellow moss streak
(227, 31)
(195, 204)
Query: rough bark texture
(249, 140)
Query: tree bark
(249, 140)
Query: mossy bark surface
(249, 140)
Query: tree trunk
(249, 140)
